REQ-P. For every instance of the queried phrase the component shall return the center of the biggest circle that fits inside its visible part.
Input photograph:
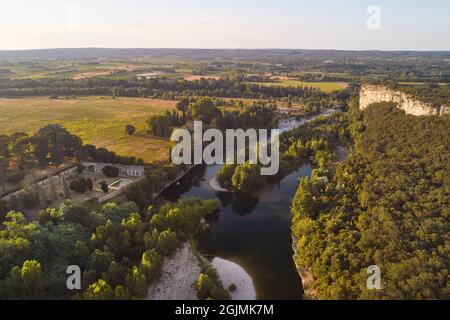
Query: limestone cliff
(375, 93)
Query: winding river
(251, 231)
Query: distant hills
(283, 54)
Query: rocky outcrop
(374, 94)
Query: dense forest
(315, 141)
(432, 93)
(155, 88)
(388, 205)
(258, 114)
(119, 248)
(435, 94)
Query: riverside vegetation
(388, 205)
(119, 247)
(315, 140)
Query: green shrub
(111, 172)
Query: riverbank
(179, 176)
(252, 229)
(306, 277)
(308, 282)
(180, 272)
(179, 276)
(215, 185)
(233, 275)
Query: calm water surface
(252, 231)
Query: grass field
(97, 120)
(67, 70)
(324, 86)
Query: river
(251, 231)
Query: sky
(297, 24)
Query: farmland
(97, 120)
(324, 86)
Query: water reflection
(244, 205)
(253, 231)
(225, 198)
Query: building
(132, 171)
(66, 174)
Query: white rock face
(374, 94)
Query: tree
(246, 178)
(27, 280)
(151, 264)
(116, 273)
(54, 142)
(303, 204)
(204, 287)
(79, 186)
(81, 254)
(183, 105)
(167, 242)
(136, 282)
(24, 149)
(101, 260)
(89, 184)
(99, 290)
(104, 187)
(120, 293)
(205, 110)
(90, 149)
(84, 186)
(159, 125)
(209, 286)
(130, 129)
(111, 171)
(136, 193)
(225, 174)
(73, 213)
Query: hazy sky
(320, 24)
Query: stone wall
(374, 94)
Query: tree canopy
(388, 205)
(118, 250)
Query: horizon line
(223, 48)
